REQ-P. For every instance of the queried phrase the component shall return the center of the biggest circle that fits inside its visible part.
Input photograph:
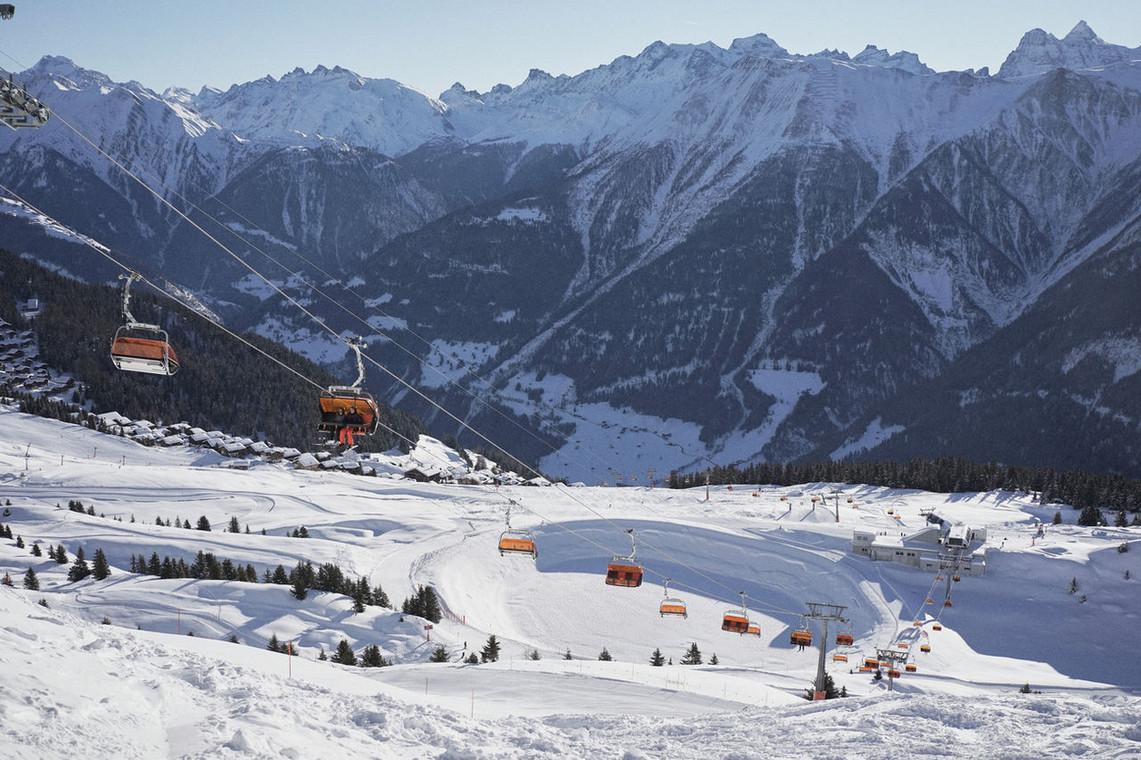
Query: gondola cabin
(622, 573)
(735, 621)
(753, 630)
(903, 645)
(801, 638)
(673, 608)
(845, 639)
(152, 355)
(925, 648)
(518, 543)
(910, 668)
(936, 627)
(839, 658)
(871, 662)
(893, 674)
(948, 603)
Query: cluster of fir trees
(1092, 516)
(329, 577)
(370, 657)
(303, 578)
(204, 566)
(943, 475)
(424, 603)
(99, 569)
(221, 383)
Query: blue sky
(430, 44)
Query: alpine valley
(687, 256)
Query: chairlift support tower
(823, 612)
(950, 566)
(893, 656)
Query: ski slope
(143, 687)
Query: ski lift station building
(927, 549)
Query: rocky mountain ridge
(803, 238)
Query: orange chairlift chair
(625, 571)
(139, 347)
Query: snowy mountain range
(825, 254)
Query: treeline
(221, 384)
(944, 475)
(302, 579)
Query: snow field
(136, 688)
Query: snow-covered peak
(457, 96)
(874, 56)
(1083, 33)
(757, 46)
(66, 72)
(1040, 51)
(329, 103)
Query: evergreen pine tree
(100, 568)
(299, 589)
(381, 598)
(604, 655)
(273, 644)
(429, 604)
(439, 654)
(1120, 521)
(36, 551)
(713, 660)
(1090, 515)
(360, 595)
(61, 555)
(490, 651)
(31, 582)
(567, 656)
(235, 527)
(19, 542)
(79, 570)
(534, 655)
(472, 659)
(692, 655)
(829, 689)
(344, 654)
(657, 659)
(322, 656)
(1058, 518)
(203, 523)
(372, 658)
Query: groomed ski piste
(164, 679)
